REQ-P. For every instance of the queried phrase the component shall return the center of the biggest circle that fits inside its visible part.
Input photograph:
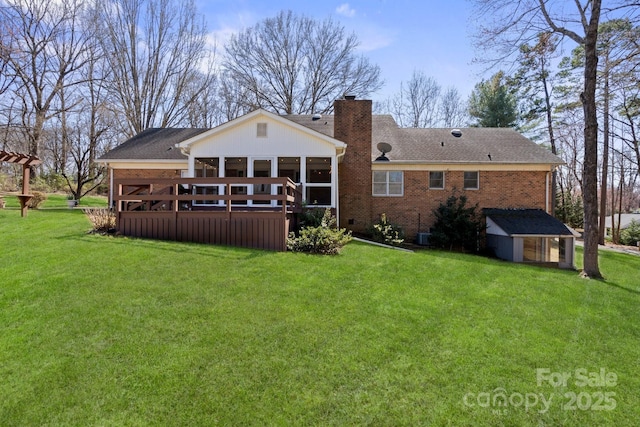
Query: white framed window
(205, 190)
(318, 189)
(388, 183)
(471, 180)
(436, 180)
(206, 167)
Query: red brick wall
(145, 173)
(352, 125)
(510, 189)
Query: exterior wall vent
(422, 239)
(261, 130)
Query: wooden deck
(221, 211)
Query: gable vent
(261, 131)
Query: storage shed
(530, 236)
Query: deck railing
(175, 194)
(251, 212)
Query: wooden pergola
(26, 161)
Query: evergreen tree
(493, 104)
(457, 225)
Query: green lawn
(113, 331)
(57, 201)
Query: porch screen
(318, 181)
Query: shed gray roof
(527, 221)
(153, 144)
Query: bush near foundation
(386, 232)
(325, 239)
(457, 226)
(103, 220)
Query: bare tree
(510, 23)
(453, 110)
(234, 99)
(416, 105)
(157, 50)
(292, 64)
(42, 49)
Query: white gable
(246, 137)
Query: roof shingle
(527, 222)
(153, 144)
(475, 145)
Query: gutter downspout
(338, 158)
(546, 194)
(110, 186)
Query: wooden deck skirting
(168, 209)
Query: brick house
(495, 168)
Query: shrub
(324, 239)
(385, 232)
(37, 199)
(456, 226)
(310, 217)
(49, 183)
(103, 220)
(631, 235)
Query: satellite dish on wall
(384, 148)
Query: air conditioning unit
(423, 239)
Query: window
(289, 167)
(318, 169)
(436, 180)
(236, 167)
(206, 167)
(261, 131)
(318, 196)
(388, 183)
(205, 190)
(471, 181)
(318, 181)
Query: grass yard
(114, 331)
(59, 201)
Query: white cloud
(373, 37)
(226, 25)
(345, 10)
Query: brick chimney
(352, 125)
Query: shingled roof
(153, 144)
(474, 145)
(527, 222)
(409, 145)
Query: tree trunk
(590, 171)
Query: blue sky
(398, 35)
